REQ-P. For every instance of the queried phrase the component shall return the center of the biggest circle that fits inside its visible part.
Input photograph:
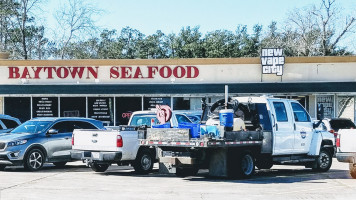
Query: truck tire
(59, 164)
(324, 161)
(2, 167)
(144, 162)
(352, 169)
(99, 167)
(184, 172)
(34, 160)
(246, 165)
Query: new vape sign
(272, 61)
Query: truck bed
(180, 137)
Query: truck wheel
(246, 165)
(59, 164)
(34, 160)
(184, 172)
(99, 167)
(324, 161)
(2, 167)
(352, 170)
(144, 162)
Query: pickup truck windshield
(31, 127)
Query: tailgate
(95, 140)
(347, 140)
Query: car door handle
(67, 138)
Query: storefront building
(109, 90)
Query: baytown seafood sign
(122, 72)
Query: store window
(181, 103)
(19, 107)
(124, 108)
(151, 102)
(45, 107)
(102, 109)
(73, 107)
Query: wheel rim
(247, 165)
(324, 160)
(35, 160)
(146, 162)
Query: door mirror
(320, 112)
(52, 132)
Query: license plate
(95, 155)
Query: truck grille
(2, 145)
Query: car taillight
(72, 139)
(338, 141)
(332, 131)
(119, 141)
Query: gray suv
(42, 140)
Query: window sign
(151, 102)
(272, 61)
(101, 108)
(328, 104)
(45, 106)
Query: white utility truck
(346, 148)
(101, 148)
(277, 131)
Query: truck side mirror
(320, 112)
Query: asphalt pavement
(75, 181)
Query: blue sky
(170, 16)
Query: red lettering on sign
(195, 72)
(14, 72)
(93, 72)
(62, 72)
(50, 70)
(165, 72)
(25, 73)
(114, 72)
(76, 71)
(138, 73)
(126, 72)
(152, 71)
(37, 72)
(179, 72)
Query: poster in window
(102, 109)
(328, 102)
(45, 107)
(151, 102)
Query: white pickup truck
(346, 148)
(277, 131)
(101, 148)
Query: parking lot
(75, 181)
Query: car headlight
(17, 142)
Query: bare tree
(319, 29)
(75, 19)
